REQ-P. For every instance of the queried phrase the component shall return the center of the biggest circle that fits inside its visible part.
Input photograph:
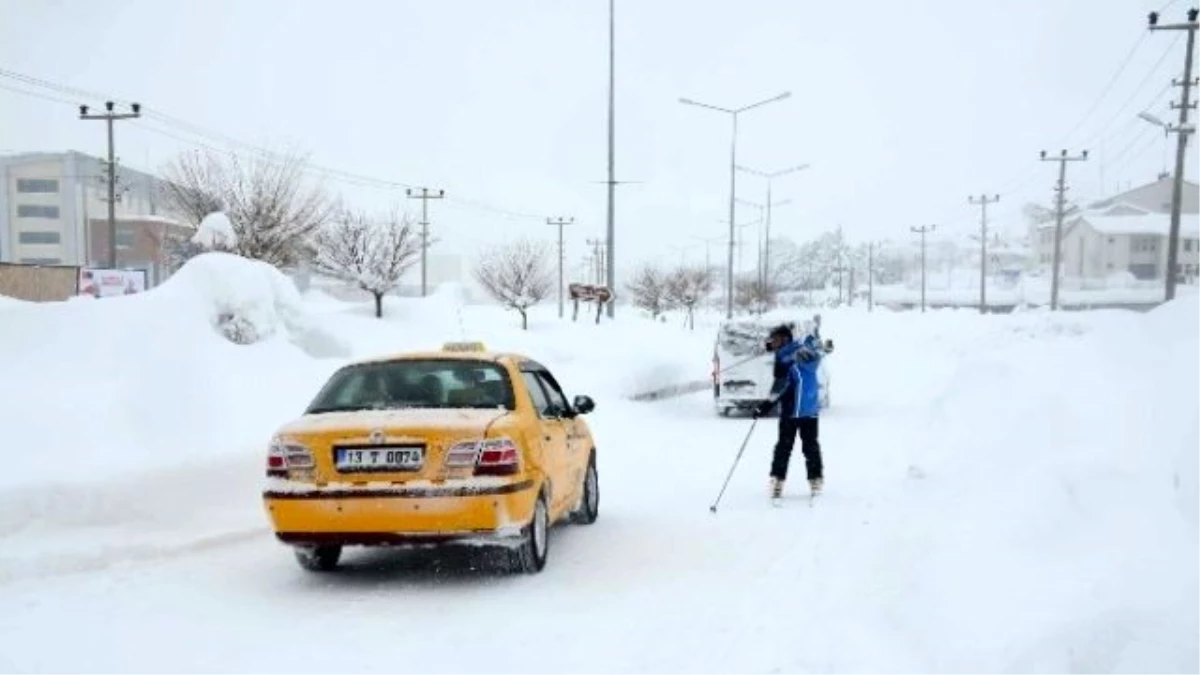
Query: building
(1126, 233)
(54, 211)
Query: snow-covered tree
(272, 209)
(215, 233)
(373, 254)
(649, 290)
(750, 294)
(517, 275)
(687, 287)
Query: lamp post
(733, 114)
(770, 176)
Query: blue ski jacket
(796, 387)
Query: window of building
(40, 238)
(37, 211)
(124, 240)
(37, 185)
(1188, 244)
(41, 261)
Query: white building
(50, 202)
(1126, 233)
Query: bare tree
(274, 211)
(687, 287)
(517, 275)
(650, 290)
(752, 295)
(374, 254)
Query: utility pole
(923, 230)
(870, 276)
(560, 222)
(425, 195)
(983, 202)
(109, 117)
(1060, 206)
(1182, 129)
(597, 260)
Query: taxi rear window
(411, 383)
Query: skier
(797, 393)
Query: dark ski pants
(806, 427)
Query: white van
(743, 370)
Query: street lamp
(733, 113)
(1166, 134)
(770, 176)
(764, 211)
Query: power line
(268, 155)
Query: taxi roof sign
(464, 347)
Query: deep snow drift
(1004, 493)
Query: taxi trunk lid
(394, 446)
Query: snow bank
(143, 382)
(1050, 518)
(248, 301)
(7, 302)
(215, 232)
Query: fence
(37, 283)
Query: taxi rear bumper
(401, 515)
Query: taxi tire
(321, 558)
(527, 558)
(589, 503)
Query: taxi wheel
(318, 558)
(589, 504)
(530, 557)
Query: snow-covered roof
(1151, 223)
(1120, 208)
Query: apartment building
(54, 211)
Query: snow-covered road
(979, 517)
(658, 583)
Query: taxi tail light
(498, 457)
(462, 454)
(284, 456)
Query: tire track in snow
(58, 564)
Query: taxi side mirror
(584, 404)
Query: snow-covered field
(1004, 493)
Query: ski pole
(737, 459)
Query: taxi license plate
(379, 459)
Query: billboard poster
(105, 283)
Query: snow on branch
(517, 275)
(687, 287)
(374, 254)
(272, 208)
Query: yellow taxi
(460, 446)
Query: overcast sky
(902, 109)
